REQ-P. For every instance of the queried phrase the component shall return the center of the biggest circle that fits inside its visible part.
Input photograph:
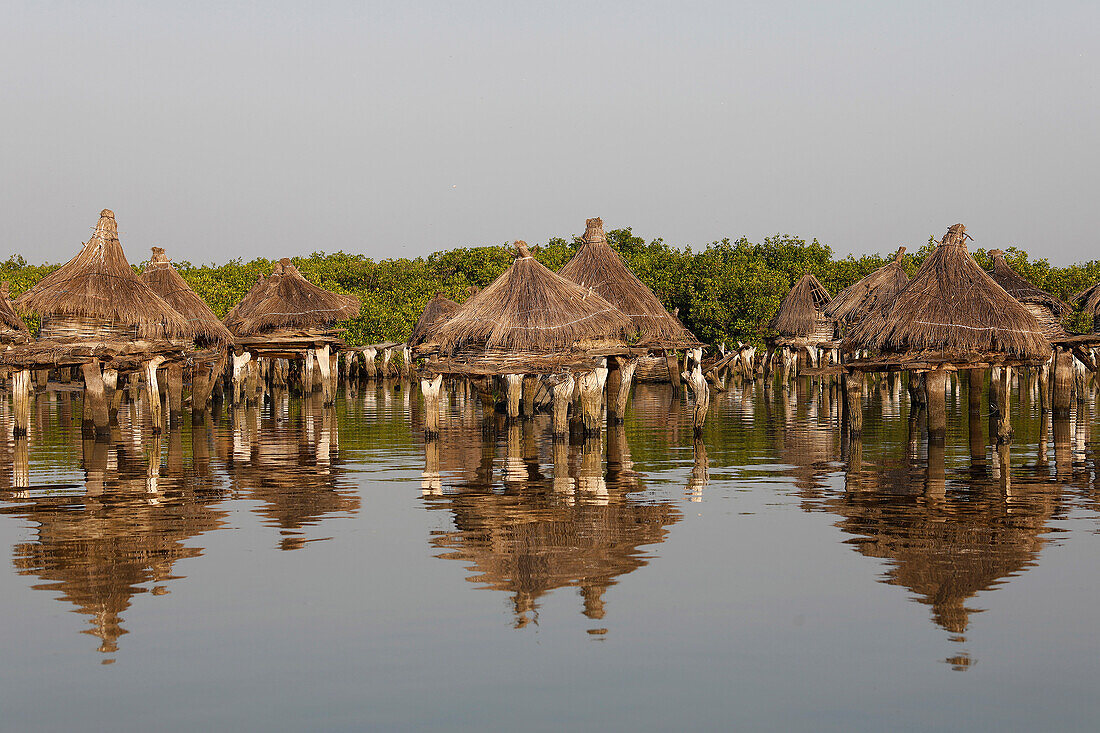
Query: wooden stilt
(387, 367)
(406, 362)
(111, 392)
(1062, 401)
(240, 362)
(370, 367)
(488, 400)
(97, 417)
(854, 402)
(513, 393)
(41, 378)
(699, 388)
(1044, 387)
(21, 401)
(673, 372)
(430, 388)
(324, 364)
(591, 399)
(530, 392)
(152, 393)
(562, 390)
(175, 394)
(622, 394)
(935, 387)
(1004, 392)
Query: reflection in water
(119, 534)
(559, 518)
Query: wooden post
(175, 394)
(371, 368)
(324, 364)
(21, 401)
(854, 402)
(1004, 393)
(1044, 388)
(430, 387)
(239, 363)
(622, 394)
(111, 392)
(513, 393)
(673, 372)
(406, 361)
(614, 376)
(41, 378)
(935, 387)
(699, 389)
(488, 400)
(1080, 382)
(975, 379)
(1063, 383)
(591, 394)
(387, 367)
(530, 392)
(562, 389)
(152, 393)
(97, 417)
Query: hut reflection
(290, 462)
(946, 540)
(577, 524)
(118, 534)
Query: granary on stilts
(951, 316)
(209, 338)
(533, 323)
(801, 325)
(872, 296)
(96, 314)
(13, 330)
(659, 333)
(286, 317)
(1047, 309)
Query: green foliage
(727, 292)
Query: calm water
(293, 568)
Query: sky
(223, 130)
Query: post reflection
(554, 514)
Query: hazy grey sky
(222, 130)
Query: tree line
(726, 292)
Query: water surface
(291, 567)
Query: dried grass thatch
(599, 267)
(1088, 300)
(802, 312)
(98, 285)
(1046, 308)
(530, 309)
(438, 310)
(12, 327)
(955, 309)
(287, 301)
(872, 294)
(167, 283)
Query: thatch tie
(975, 328)
(460, 319)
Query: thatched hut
(872, 296)
(1088, 300)
(287, 317)
(208, 332)
(596, 265)
(801, 324)
(207, 329)
(438, 310)
(95, 311)
(951, 315)
(12, 328)
(1047, 309)
(531, 321)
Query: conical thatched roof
(1088, 300)
(12, 326)
(99, 284)
(954, 308)
(802, 312)
(287, 301)
(167, 283)
(872, 294)
(438, 310)
(531, 309)
(1021, 289)
(599, 267)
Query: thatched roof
(438, 310)
(287, 301)
(801, 312)
(1021, 289)
(100, 284)
(599, 267)
(167, 283)
(530, 309)
(1088, 300)
(954, 308)
(872, 294)
(10, 322)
